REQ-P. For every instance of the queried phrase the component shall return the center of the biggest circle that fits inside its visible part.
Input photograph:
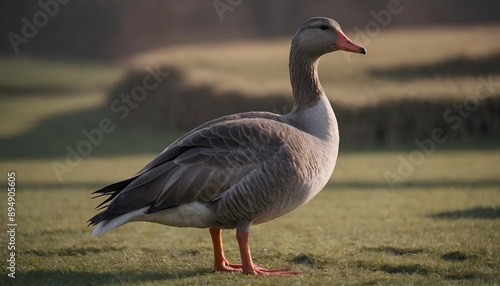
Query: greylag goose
(241, 169)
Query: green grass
(353, 232)
(440, 226)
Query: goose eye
(323, 27)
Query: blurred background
(110, 30)
(67, 65)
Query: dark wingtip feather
(96, 219)
(112, 191)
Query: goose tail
(103, 221)
(107, 225)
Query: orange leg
(221, 263)
(248, 266)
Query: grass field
(439, 226)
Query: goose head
(316, 37)
(320, 35)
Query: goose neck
(304, 79)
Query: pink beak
(345, 44)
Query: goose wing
(201, 165)
(176, 148)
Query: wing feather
(203, 164)
(192, 157)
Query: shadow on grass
(424, 270)
(307, 259)
(395, 250)
(476, 213)
(71, 251)
(457, 256)
(459, 66)
(395, 269)
(410, 269)
(47, 277)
